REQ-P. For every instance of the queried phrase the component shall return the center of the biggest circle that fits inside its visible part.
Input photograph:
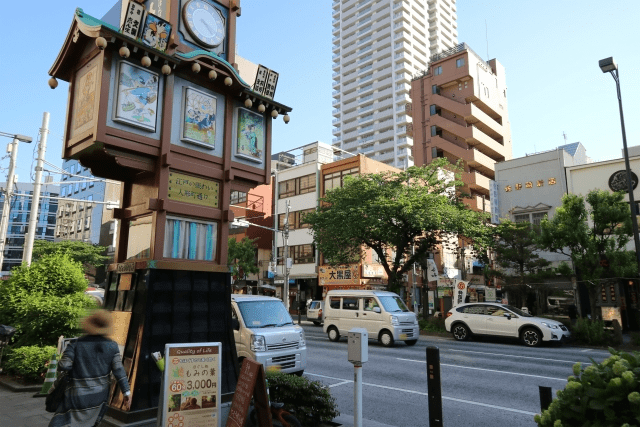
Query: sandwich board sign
(190, 394)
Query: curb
(17, 387)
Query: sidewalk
(21, 409)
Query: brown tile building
(459, 109)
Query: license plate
(403, 336)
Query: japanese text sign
(197, 191)
(132, 19)
(190, 395)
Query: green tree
(401, 216)
(85, 253)
(44, 300)
(590, 233)
(242, 257)
(520, 265)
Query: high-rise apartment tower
(377, 47)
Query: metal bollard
(546, 396)
(434, 387)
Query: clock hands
(208, 27)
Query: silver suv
(314, 312)
(504, 321)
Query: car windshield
(264, 314)
(517, 311)
(392, 304)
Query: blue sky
(550, 49)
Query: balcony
(472, 156)
(476, 181)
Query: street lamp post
(8, 194)
(608, 65)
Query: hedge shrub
(28, 363)
(591, 332)
(44, 300)
(602, 394)
(432, 325)
(310, 401)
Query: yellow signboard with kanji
(340, 275)
(190, 189)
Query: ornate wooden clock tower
(156, 102)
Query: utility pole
(35, 203)
(285, 256)
(8, 195)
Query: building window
(77, 187)
(432, 110)
(296, 219)
(91, 183)
(294, 187)
(459, 62)
(300, 254)
(437, 71)
(87, 222)
(64, 192)
(84, 185)
(336, 179)
(190, 239)
(435, 90)
(534, 219)
(434, 130)
(238, 197)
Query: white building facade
(377, 47)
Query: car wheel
(315, 322)
(411, 342)
(531, 337)
(333, 334)
(460, 332)
(386, 339)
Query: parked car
(383, 314)
(504, 321)
(264, 331)
(314, 312)
(97, 294)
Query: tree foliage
(593, 234)
(44, 300)
(518, 259)
(82, 252)
(242, 257)
(401, 216)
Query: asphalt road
(484, 382)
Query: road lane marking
(509, 355)
(585, 350)
(488, 370)
(337, 384)
(421, 393)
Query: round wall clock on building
(618, 181)
(204, 23)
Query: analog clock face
(204, 22)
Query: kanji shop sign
(190, 395)
(197, 191)
(341, 275)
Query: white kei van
(264, 332)
(383, 314)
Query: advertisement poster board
(190, 395)
(431, 300)
(490, 294)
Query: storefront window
(190, 239)
(139, 242)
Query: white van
(383, 314)
(264, 332)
